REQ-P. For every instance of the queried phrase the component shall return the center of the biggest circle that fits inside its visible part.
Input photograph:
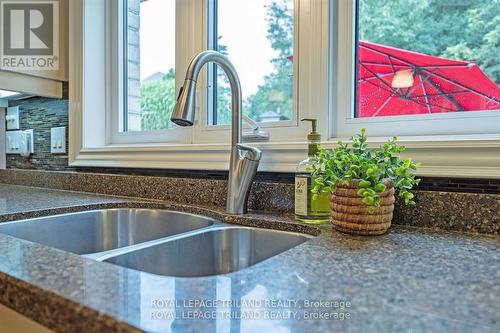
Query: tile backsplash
(468, 212)
(41, 114)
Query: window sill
(462, 156)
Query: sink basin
(156, 241)
(103, 230)
(215, 251)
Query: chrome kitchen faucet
(244, 159)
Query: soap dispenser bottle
(308, 210)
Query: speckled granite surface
(183, 190)
(455, 211)
(409, 280)
(18, 202)
(467, 212)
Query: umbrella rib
(449, 98)
(383, 105)
(406, 65)
(462, 86)
(386, 54)
(449, 93)
(392, 65)
(410, 90)
(382, 87)
(394, 93)
(382, 64)
(412, 100)
(449, 66)
(438, 75)
(433, 105)
(425, 93)
(376, 75)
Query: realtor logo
(29, 35)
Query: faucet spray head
(184, 109)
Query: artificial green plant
(355, 161)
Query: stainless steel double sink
(156, 241)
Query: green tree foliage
(466, 30)
(223, 92)
(276, 93)
(457, 29)
(157, 103)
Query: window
(261, 39)
(396, 67)
(422, 68)
(258, 37)
(150, 65)
(405, 68)
(155, 41)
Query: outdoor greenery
(456, 29)
(466, 30)
(368, 166)
(223, 103)
(276, 92)
(157, 103)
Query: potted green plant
(362, 183)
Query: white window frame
(94, 95)
(474, 155)
(281, 131)
(190, 11)
(477, 123)
(451, 153)
(115, 62)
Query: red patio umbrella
(394, 81)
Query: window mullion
(309, 75)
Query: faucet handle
(252, 153)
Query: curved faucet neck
(193, 73)
(244, 160)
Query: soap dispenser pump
(308, 210)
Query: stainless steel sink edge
(77, 212)
(225, 249)
(36, 230)
(112, 234)
(102, 256)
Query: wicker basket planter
(350, 214)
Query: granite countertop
(409, 280)
(18, 202)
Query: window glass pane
(150, 53)
(257, 36)
(419, 57)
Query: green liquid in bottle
(308, 210)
